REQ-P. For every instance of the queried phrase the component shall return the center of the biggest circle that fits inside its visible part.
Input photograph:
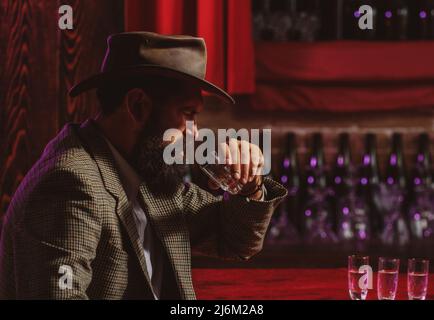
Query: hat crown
(143, 55)
(179, 52)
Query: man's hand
(246, 161)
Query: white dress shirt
(131, 184)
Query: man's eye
(189, 113)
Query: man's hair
(111, 95)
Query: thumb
(213, 185)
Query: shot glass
(417, 279)
(221, 174)
(387, 278)
(358, 277)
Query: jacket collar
(100, 151)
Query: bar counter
(284, 284)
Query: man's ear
(139, 105)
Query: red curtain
(224, 24)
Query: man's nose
(194, 131)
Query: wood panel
(38, 64)
(28, 104)
(82, 51)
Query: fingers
(260, 168)
(255, 161)
(246, 160)
(213, 185)
(244, 148)
(235, 157)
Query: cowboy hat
(146, 54)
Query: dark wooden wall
(38, 64)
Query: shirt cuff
(263, 197)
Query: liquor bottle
(422, 174)
(422, 19)
(330, 17)
(290, 178)
(342, 177)
(281, 230)
(421, 212)
(393, 196)
(284, 224)
(368, 183)
(395, 169)
(281, 20)
(258, 19)
(316, 176)
(430, 13)
(266, 32)
(393, 20)
(307, 22)
(317, 224)
(352, 220)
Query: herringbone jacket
(71, 213)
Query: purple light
(420, 157)
(345, 211)
(313, 162)
(364, 181)
(388, 14)
(366, 159)
(422, 14)
(417, 216)
(284, 179)
(310, 180)
(338, 180)
(286, 163)
(362, 234)
(345, 225)
(417, 181)
(308, 213)
(340, 161)
(357, 14)
(390, 180)
(393, 160)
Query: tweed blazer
(71, 217)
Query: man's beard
(162, 179)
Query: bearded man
(102, 216)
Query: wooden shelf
(344, 75)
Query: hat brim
(139, 71)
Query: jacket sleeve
(55, 239)
(229, 227)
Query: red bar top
(283, 284)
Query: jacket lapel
(168, 222)
(101, 152)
